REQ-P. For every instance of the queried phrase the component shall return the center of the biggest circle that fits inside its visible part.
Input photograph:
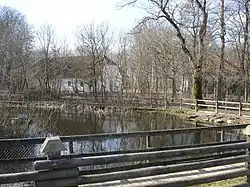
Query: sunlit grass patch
(225, 183)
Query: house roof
(79, 60)
(109, 61)
(80, 64)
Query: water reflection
(90, 123)
(36, 123)
(51, 123)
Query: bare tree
(219, 88)
(46, 41)
(167, 9)
(239, 37)
(93, 43)
(167, 59)
(123, 58)
(62, 63)
(16, 43)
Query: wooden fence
(140, 102)
(58, 170)
(134, 102)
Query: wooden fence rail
(57, 170)
(132, 101)
(160, 100)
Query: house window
(111, 86)
(81, 83)
(69, 83)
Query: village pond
(20, 123)
(37, 123)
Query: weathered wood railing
(67, 170)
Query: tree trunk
(156, 84)
(166, 91)
(219, 86)
(246, 84)
(25, 84)
(245, 52)
(197, 87)
(173, 87)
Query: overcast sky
(66, 15)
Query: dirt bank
(210, 117)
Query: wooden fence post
(63, 177)
(240, 106)
(181, 104)
(151, 101)
(222, 135)
(247, 133)
(147, 142)
(165, 103)
(196, 105)
(216, 106)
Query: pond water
(51, 123)
(40, 123)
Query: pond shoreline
(202, 116)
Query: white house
(71, 85)
(110, 80)
(112, 77)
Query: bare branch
(129, 3)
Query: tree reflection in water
(50, 123)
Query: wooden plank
(206, 100)
(228, 102)
(190, 181)
(118, 158)
(206, 105)
(248, 104)
(245, 109)
(159, 170)
(191, 104)
(58, 182)
(158, 163)
(38, 175)
(228, 107)
(190, 175)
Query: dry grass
(224, 183)
(38, 121)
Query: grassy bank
(224, 183)
(204, 116)
(209, 117)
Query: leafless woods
(185, 48)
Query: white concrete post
(247, 133)
(52, 147)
